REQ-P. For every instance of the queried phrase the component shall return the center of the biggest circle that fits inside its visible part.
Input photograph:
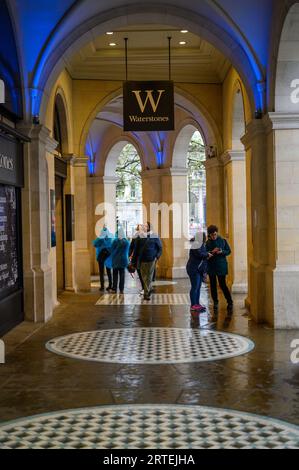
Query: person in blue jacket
(119, 260)
(197, 268)
(103, 249)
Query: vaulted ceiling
(196, 61)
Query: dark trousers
(108, 270)
(119, 272)
(196, 281)
(140, 278)
(223, 287)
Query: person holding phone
(218, 249)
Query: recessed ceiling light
(112, 44)
(182, 43)
(184, 31)
(109, 32)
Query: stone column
(283, 183)
(236, 220)
(103, 191)
(215, 192)
(165, 198)
(259, 229)
(69, 247)
(82, 255)
(36, 225)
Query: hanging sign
(148, 106)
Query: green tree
(128, 171)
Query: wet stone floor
(35, 380)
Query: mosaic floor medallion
(136, 299)
(150, 345)
(148, 427)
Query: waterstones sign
(148, 106)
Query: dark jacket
(217, 265)
(119, 254)
(133, 245)
(147, 249)
(197, 262)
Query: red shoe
(195, 308)
(200, 308)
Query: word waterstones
(149, 119)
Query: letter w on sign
(149, 97)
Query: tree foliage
(128, 170)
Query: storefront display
(11, 181)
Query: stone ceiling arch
(51, 61)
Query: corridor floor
(262, 380)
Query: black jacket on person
(198, 260)
(147, 249)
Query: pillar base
(286, 298)
(38, 294)
(240, 288)
(82, 271)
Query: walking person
(103, 249)
(119, 260)
(197, 269)
(138, 234)
(218, 249)
(148, 251)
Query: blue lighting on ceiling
(91, 156)
(9, 64)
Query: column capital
(254, 129)
(212, 163)
(51, 145)
(34, 132)
(70, 158)
(79, 161)
(233, 156)
(281, 121)
(158, 172)
(110, 179)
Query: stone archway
(51, 61)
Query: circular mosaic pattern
(150, 345)
(148, 427)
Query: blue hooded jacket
(119, 257)
(103, 241)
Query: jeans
(223, 287)
(196, 281)
(108, 270)
(119, 272)
(147, 271)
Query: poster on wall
(53, 218)
(9, 268)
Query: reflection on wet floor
(34, 380)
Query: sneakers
(198, 308)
